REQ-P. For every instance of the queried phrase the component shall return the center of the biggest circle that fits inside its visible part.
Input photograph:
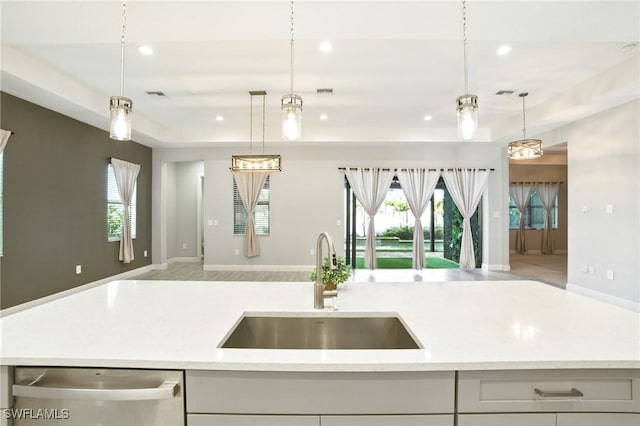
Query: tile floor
(550, 269)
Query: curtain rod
(533, 183)
(431, 170)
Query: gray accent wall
(55, 204)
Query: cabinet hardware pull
(574, 393)
(31, 389)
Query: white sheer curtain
(370, 187)
(521, 193)
(548, 193)
(418, 186)
(4, 138)
(126, 174)
(466, 187)
(249, 186)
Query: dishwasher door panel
(100, 397)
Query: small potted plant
(332, 277)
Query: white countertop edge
(323, 367)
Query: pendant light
(467, 104)
(291, 104)
(524, 149)
(120, 106)
(251, 162)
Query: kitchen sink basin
(320, 332)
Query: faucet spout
(318, 288)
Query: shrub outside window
(115, 209)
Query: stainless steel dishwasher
(104, 397)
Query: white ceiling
(392, 63)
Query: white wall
(604, 164)
(181, 191)
(307, 197)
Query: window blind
(261, 218)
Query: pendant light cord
(263, 109)
(124, 29)
(464, 44)
(291, 53)
(251, 124)
(524, 122)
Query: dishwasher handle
(31, 389)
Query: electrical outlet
(585, 269)
(184, 246)
(78, 269)
(237, 252)
(210, 222)
(215, 222)
(609, 208)
(591, 270)
(338, 222)
(312, 252)
(609, 274)
(144, 253)
(584, 209)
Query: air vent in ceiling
(505, 92)
(324, 91)
(156, 93)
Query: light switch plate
(609, 208)
(210, 222)
(78, 269)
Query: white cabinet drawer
(410, 420)
(549, 390)
(598, 419)
(260, 392)
(238, 420)
(528, 419)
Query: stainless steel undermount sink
(320, 332)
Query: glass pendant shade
(525, 149)
(256, 163)
(121, 114)
(467, 109)
(291, 117)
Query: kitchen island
(474, 336)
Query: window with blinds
(261, 216)
(115, 209)
(534, 213)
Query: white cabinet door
(537, 419)
(400, 420)
(598, 419)
(241, 420)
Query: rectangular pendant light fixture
(256, 163)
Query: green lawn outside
(406, 263)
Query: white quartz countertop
(461, 325)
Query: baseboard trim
(538, 251)
(184, 260)
(160, 266)
(495, 267)
(41, 301)
(598, 295)
(262, 268)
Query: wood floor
(550, 269)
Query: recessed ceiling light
(324, 117)
(325, 47)
(428, 117)
(145, 50)
(505, 49)
(219, 118)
